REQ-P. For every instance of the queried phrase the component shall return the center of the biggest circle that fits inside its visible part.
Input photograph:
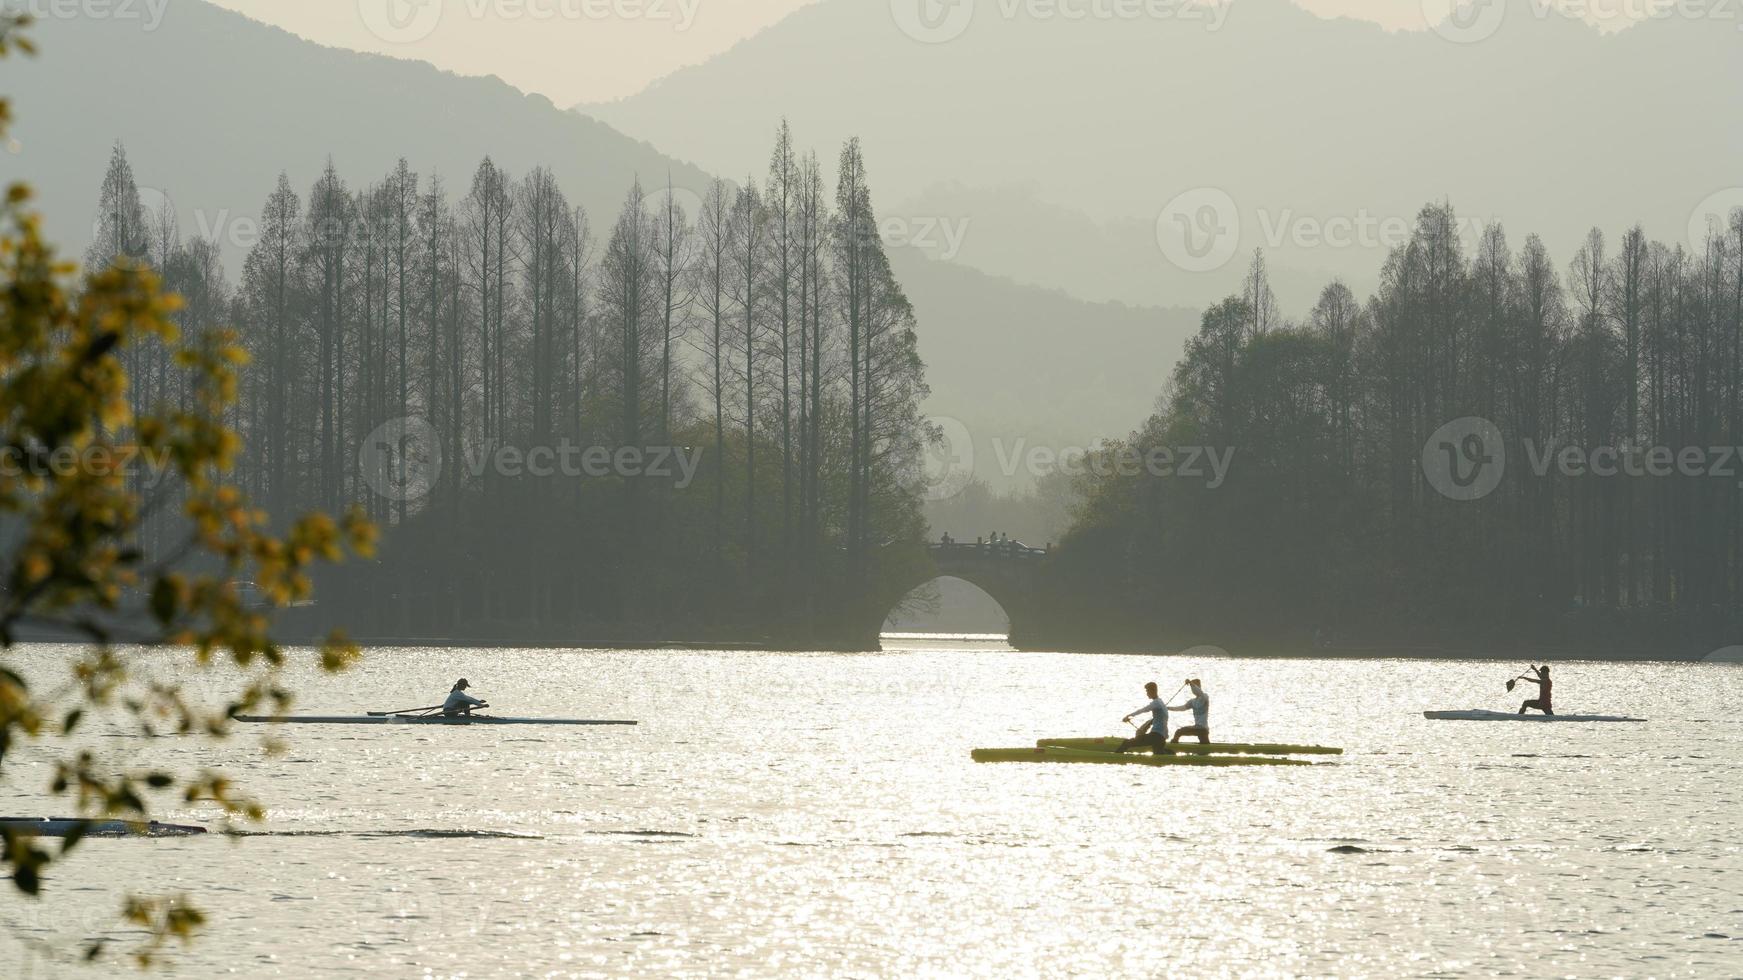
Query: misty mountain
(208, 119)
(1312, 128)
(1021, 367)
(210, 123)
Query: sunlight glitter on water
(818, 814)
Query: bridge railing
(1006, 550)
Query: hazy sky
(595, 50)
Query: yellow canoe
(1054, 754)
(1213, 748)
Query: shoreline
(957, 639)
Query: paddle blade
(1510, 684)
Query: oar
(1516, 680)
(403, 711)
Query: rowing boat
(1042, 753)
(1505, 716)
(1110, 743)
(419, 720)
(67, 826)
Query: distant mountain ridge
(1305, 124)
(211, 123)
(210, 117)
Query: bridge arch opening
(948, 605)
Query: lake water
(812, 814)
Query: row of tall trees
(1332, 523)
(755, 328)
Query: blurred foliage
(72, 561)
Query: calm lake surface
(818, 814)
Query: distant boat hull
(1052, 754)
(1504, 716)
(1108, 744)
(66, 826)
(460, 720)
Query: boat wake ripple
(424, 833)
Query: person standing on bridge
(1154, 732)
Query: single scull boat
(419, 720)
(1505, 716)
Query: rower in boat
(1544, 701)
(1199, 705)
(459, 703)
(1154, 732)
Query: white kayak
(1506, 716)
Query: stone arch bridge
(1009, 573)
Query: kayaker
(1544, 701)
(1154, 732)
(460, 703)
(1199, 705)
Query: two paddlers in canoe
(1154, 733)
